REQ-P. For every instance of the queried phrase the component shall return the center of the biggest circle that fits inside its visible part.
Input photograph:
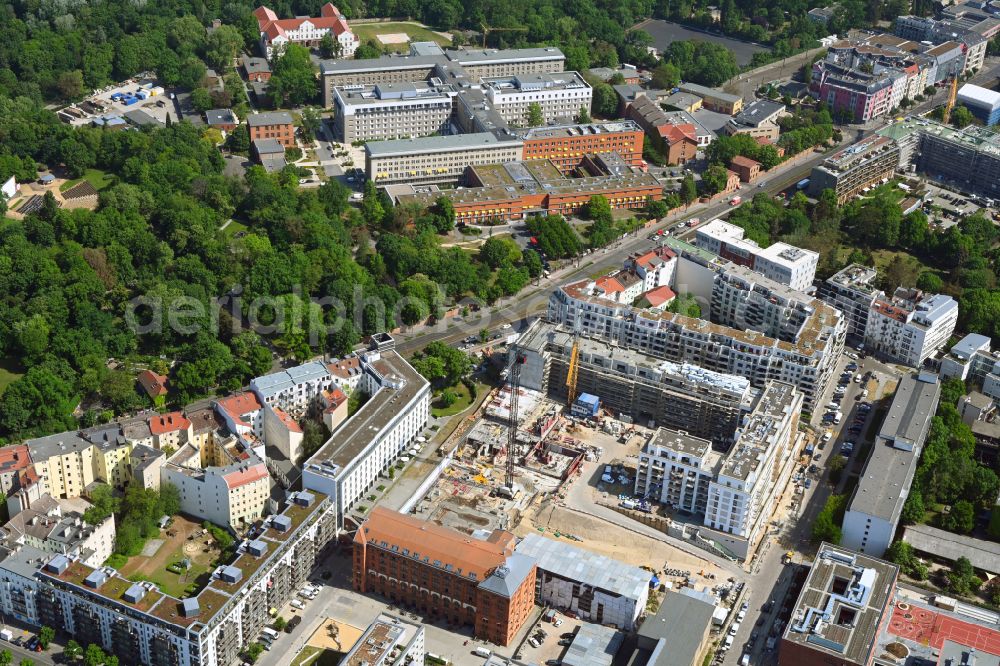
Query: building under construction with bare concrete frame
(647, 389)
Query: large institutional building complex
(277, 33)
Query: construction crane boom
(572, 372)
(514, 378)
(952, 94)
(488, 29)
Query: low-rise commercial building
(592, 587)
(679, 633)
(559, 95)
(714, 100)
(350, 462)
(446, 574)
(435, 159)
(391, 110)
(757, 119)
(514, 190)
(843, 607)
(874, 509)
(781, 262)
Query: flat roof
(842, 603)
(593, 645)
(359, 431)
(887, 475)
(681, 622)
(438, 144)
(586, 129)
(575, 563)
(979, 96)
(705, 91)
(269, 118)
(984, 555)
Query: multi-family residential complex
(559, 95)
(781, 262)
(909, 327)
(874, 509)
(392, 110)
(66, 463)
(57, 527)
(972, 361)
(592, 587)
(387, 641)
(142, 625)
(855, 169)
(734, 492)
(974, 34)
(364, 445)
(451, 66)
(435, 159)
(629, 382)
(842, 608)
(293, 389)
(757, 328)
(277, 33)
(446, 574)
(514, 190)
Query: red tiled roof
(14, 458)
(330, 18)
(238, 404)
(745, 162)
(343, 367)
(245, 476)
(659, 296)
(610, 285)
(165, 423)
(153, 384)
(287, 420)
(674, 133)
(334, 399)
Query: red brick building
(567, 145)
(680, 142)
(746, 168)
(446, 574)
(276, 125)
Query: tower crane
(488, 29)
(514, 379)
(574, 366)
(952, 94)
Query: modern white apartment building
(373, 437)
(875, 507)
(140, 624)
(783, 263)
(735, 492)
(392, 110)
(435, 159)
(295, 388)
(911, 326)
(802, 350)
(560, 95)
(972, 360)
(852, 291)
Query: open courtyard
(180, 561)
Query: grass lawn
(460, 405)
(416, 32)
(884, 257)
(10, 371)
(96, 177)
(314, 656)
(176, 547)
(234, 228)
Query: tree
(330, 47)
(689, 190)
(6, 658)
(311, 121)
(535, 117)
(962, 578)
(666, 76)
(532, 262)
(254, 651)
(605, 101)
(72, 651)
(714, 179)
(827, 524)
(280, 623)
(583, 116)
(201, 100)
(222, 46)
(292, 79)
(656, 209)
(913, 508)
(961, 116)
(961, 519)
(103, 504)
(45, 636)
(70, 84)
(94, 655)
(371, 206)
(498, 251)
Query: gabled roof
(609, 285)
(744, 162)
(245, 476)
(171, 422)
(270, 25)
(659, 296)
(675, 133)
(152, 383)
(239, 404)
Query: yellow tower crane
(488, 29)
(952, 94)
(574, 367)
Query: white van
(270, 633)
(745, 659)
(728, 643)
(482, 652)
(295, 603)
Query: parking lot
(552, 641)
(945, 207)
(100, 103)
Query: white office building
(392, 110)
(911, 326)
(594, 587)
(560, 95)
(874, 510)
(368, 442)
(781, 262)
